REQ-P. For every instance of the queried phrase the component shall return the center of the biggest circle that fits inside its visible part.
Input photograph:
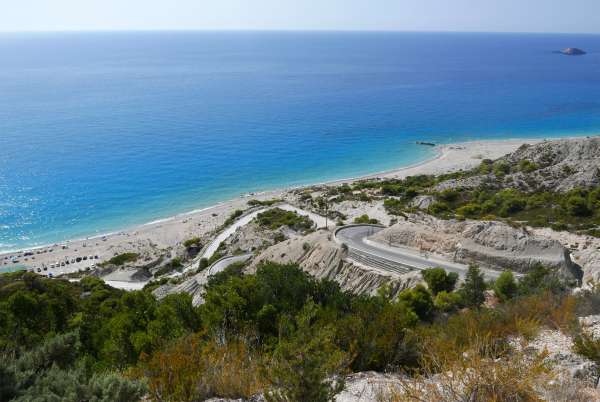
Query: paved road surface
(356, 237)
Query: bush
(277, 217)
(438, 280)
(577, 206)
(447, 301)
(364, 219)
(505, 286)
(473, 289)
(469, 210)
(196, 368)
(419, 300)
(193, 242)
(438, 207)
(232, 218)
(309, 366)
(501, 168)
(265, 203)
(526, 166)
(540, 280)
(124, 258)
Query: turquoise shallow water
(101, 131)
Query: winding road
(356, 237)
(398, 259)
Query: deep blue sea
(101, 131)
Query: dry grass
(468, 357)
(473, 377)
(197, 369)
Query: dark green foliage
(419, 300)
(364, 219)
(526, 166)
(501, 168)
(505, 286)
(577, 206)
(394, 207)
(540, 280)
(473, 288)
(585, 345)
(308, 364)
(265, 203)
(53, 371)
(439, 280)
(233, 217)
(203, 263)
(448, 302)
(113, 326)
(123, 259)
(193, 242)
(276, 218)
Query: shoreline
(447, 158)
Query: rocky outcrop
(585, 251)
(490, 244)
(318, 255)
(572, 51)
(422, 201)
(563, 164)
(559, 165)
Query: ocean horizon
(102, 131)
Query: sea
(101, 131)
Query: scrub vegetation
(278, 332)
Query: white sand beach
(150, 239)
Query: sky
(575, 16)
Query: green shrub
(265, 203)
(419, 300)
(501, 168)
(193, 242)
(448, 301)
(276, 218)
(364, 219)
(469, 210)
(473, 289)
(233, 217)
(124, 258)
(439, 280)
(505, 286)
(526, 166)
(577, 206)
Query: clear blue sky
(409, 15)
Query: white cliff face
(561, 165)
(585, 251)
(318, 255)
(489, 244)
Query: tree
(473, 289)
(439, 280)
(577, 206)
(308, 366)
(506, 287)
(539, 280)
(419, 300)
(447, 302)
